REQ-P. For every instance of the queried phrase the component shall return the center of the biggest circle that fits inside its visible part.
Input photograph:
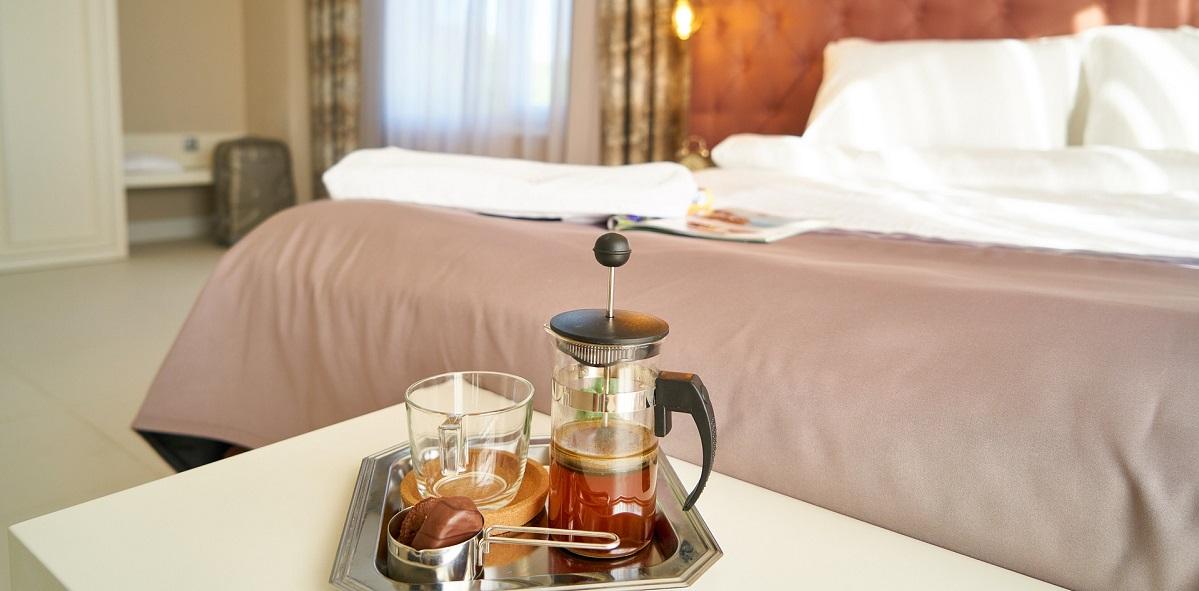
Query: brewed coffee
(602, 478)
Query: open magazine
(738, 225)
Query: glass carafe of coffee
(610, 405)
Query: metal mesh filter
(604, 355)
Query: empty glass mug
(469, 433)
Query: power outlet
(191, 144)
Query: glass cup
(470, 435)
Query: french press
(610, 406)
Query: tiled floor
(78, 349)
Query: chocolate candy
(440, 522)
(412, 521)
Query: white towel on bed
(512, 187)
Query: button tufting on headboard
(756, 64)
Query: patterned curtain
(645, 84)
(334, 40)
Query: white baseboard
(165, 229)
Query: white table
(188, 177)
(271, 519)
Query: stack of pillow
(1118, 86)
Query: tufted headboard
(756, 64)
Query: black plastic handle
(684, 392)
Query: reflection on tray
(682, 548)
(504, 561)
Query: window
(483, 77)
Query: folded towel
(512, 187)
(142, 163)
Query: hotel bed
(992, 350)
(1002, 403)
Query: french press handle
(684, 392)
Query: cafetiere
(610, 406)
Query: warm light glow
(683, 18)
(1091, 16)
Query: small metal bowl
(464, 561)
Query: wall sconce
(685, 20)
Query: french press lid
(598, 336)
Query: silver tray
(683, 547)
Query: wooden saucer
(528, 502)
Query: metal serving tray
(682, 550)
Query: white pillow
(1089, 169)
(977, 94)
(1142, 87)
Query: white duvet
(1104, 200)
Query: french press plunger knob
(612, 250)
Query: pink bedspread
(1035, 410)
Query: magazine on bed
(739, 225)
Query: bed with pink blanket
(1033, 409)
(996, 350)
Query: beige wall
(277, 80)
(214, 65)
(182, 65)
(169, 202)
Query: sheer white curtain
(489, 77)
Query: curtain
(486, 77)
(334, 31)
(645, 82)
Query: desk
(271, 519)
(188, 177)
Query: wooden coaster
(528, 502)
